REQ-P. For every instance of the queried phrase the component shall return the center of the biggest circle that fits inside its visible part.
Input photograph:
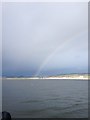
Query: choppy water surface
(46, 98)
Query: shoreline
(59, 77)
(62, 78)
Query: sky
(43, 39)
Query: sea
(50, 98)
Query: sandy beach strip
(61, 78)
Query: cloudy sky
(42, 39)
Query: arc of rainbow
(53, 53)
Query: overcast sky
(45, 38)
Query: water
(0, 97)
(46, 98)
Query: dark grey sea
(45, 98)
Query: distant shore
(61, 77)
(44, 78)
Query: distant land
(62, 76)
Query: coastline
(59, 77)
(62, 78)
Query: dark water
(46, 98)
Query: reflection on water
(46, 98)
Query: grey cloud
(33, 31)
